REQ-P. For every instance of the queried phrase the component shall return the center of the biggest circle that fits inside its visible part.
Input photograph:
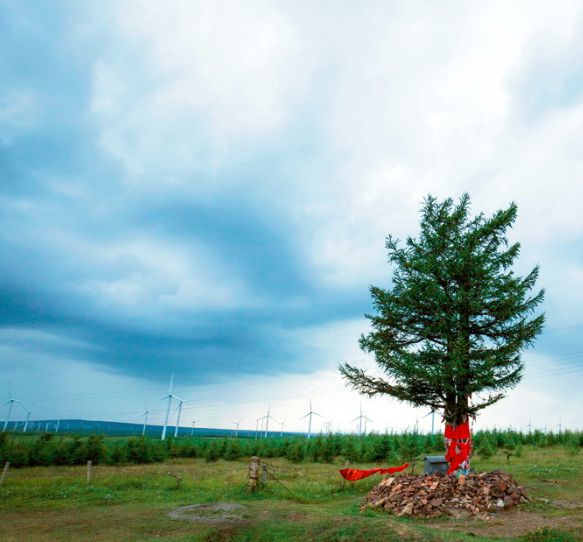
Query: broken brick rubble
(476, 494)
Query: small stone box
(435, 464)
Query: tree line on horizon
(392, 449)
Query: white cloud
(404, 106)
(155, 275)
(191, 83)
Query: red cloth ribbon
(460, 438)
(357, 474)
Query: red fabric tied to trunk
(459, 438)
(356, 474)
(462, 431)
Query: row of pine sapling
(388, 449)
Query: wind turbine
(10, 404)
(178, 417)
(328, 426)
(360, 417)
(432, 413)
(310, 414)
(58, 425)
(145, 415)
(192, 430)
(27, 419)
(366, 420)
(267, 417)
(237, 428)
(170, 396)
(282, 425)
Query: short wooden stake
(5, 472)
(89, 470)
(254, 473)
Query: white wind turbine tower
(180, 401)
(267, 417)
(360, 417)
(145, 415)
(328, 426)
(10, 404)
(366, 420)
(27, 419)
(282, 425)
(432, 414)
(416, 426)
(170, 396)
(192, 430)
(237, 428)
(310, 414)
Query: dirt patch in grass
(218, 513)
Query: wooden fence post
(89, 470)
(263, 474)
(5, 472)
(254, 473)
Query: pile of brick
(477, 494)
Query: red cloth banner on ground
(459, 445)
(356, 474)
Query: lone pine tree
(449, 333)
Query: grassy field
(311, 503)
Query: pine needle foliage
(457, 318)
(360, 450)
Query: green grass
(131, 503)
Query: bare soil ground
(219, 513)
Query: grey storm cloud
(52, 158)
(143, 236)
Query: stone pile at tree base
(476, 494)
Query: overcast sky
(205, 188)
